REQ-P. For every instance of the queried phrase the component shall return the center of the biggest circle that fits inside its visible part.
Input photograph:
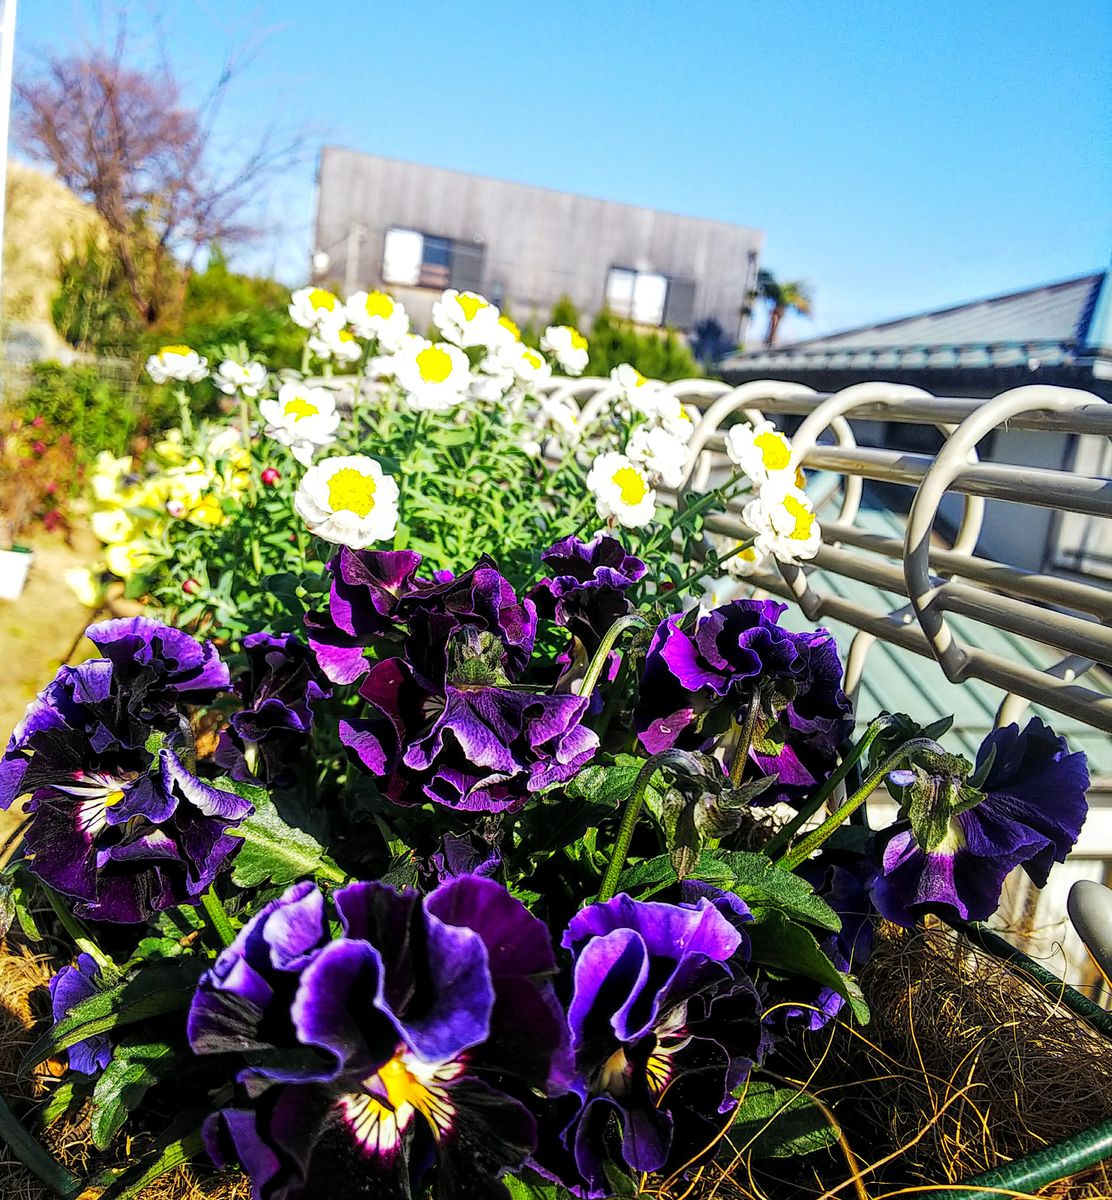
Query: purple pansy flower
(585, 591)
(466, 855)
(123, 830)
(472, 746)
(700, 674)
(376, 594)
(407, 1047)
(67, 989)
(1029, 814)
(664, 1024)
(278, 690)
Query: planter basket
(970, 1064)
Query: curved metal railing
(1071, 613)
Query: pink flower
(270, 476)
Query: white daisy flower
(335, 342)
(661, 454)
(569, 347)
(643, 394)
(492, 380)
(347, 500)
(377, 315)
(760, 450)
(564, 415)
(622, 490)
(529, 365)
(504, 333)
(715, 593)
(435, 374)
(467, 319)
(177, 363)
(303, 418)
(674, 417)
(248, 379)
(784, 521)
(744, 563)
(314, 308)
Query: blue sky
(899, 156)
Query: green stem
(594, 671)
(812, 806)
(625, 830)
(632, 811)
(816, 837)
(80, 935)
(214, 910)
(613, 699)
(185, 416)
(745, 738)
(680, 588)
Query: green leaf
(790, 948)
(35, 1157)
(175, 1150)
(530, 1186)
(273, 852)
(161, 988)
(59, 1103)
(765, 888)
(606, 784)
(778, 1122)
(136, 1066)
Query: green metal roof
(897, 680)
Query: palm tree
(781, 298)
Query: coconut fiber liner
(965, 1065)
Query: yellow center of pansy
(350, 490)
(578, 341)
(774, 448)
(379, 1122)
(631, 484)
(299, 407)
(113, 798)
(321, 298)
(178, 351)
(511, 326)
(804, 519)
(434, 365)
(470, 305)
(378, 304)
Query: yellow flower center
(578, 341)
(320, 298)
(533, 359)
(749, 554)
(803, 516)
(638, 379)
(113, 798)
(434, 365)
(506, 323)
(350, 490)
(180, 351)
(470, 305)
(774, 448)
(299, 407)
(378, 304)
(346, 335)
(631, 484)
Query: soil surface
(38, 632)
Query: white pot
(14, 565)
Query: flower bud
(191, 586)
(270, 476)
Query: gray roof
(1064, 327)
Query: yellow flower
(125, 558)
(86, 585)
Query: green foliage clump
(92, 308)
(96, 413)
(221, 307)
(664, 355)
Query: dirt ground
(38, 631)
